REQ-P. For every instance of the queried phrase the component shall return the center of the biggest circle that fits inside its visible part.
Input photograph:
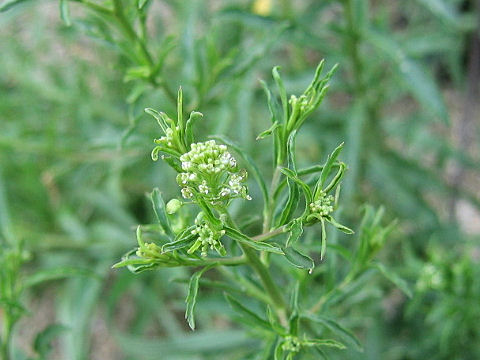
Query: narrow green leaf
(141, 3)
(247, 314)
(63, 272)
(415, 78)
(160, 211)
(180, 110)
(194, 116)
(394, 278)
(65, 12)
(296, 230)
(8, 4)
(281, 91)
(294, 320)
(328, 165)
(324, 239)
(297, 259)
(269, 131)
(178, 244)
(271, 103)
(336, 328)
(306, 189)
(324, 342)
(192, 296)
(339, 226)
(278, 354)
(257, 245)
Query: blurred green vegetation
(75, 163)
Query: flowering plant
(210, 178)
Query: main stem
(263, 273)
(267, 282)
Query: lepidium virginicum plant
(197, 229)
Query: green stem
(7, 337)
(140, 41)
(270, 234)
(271, 202)
(267, 282)
(262, 272)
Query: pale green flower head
(211, 172)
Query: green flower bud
(173, 206)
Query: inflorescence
(210, 171)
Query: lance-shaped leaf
(257, 245)
(339, 226)
(296, 230)
(160, 211)
(194, 116)
(328, 166)
(192, 296)
(337, 178)
(324, 342)
(281, 91)
(178, 244)
(159, 149)
(297, 259)
(294, 320)
(323, 249)
(247, 315)
(163, 120)
(394, 278)
(336, 328)
(65, 12)
(269, 131)
(306, 189)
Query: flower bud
(173, 206)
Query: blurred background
(75, 162)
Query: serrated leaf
(192, 296)
(297, 259)
(257, 245)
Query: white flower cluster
(207, 238)
(211, 171)
(323, 206)
(166, 140)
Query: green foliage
(76, 79)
